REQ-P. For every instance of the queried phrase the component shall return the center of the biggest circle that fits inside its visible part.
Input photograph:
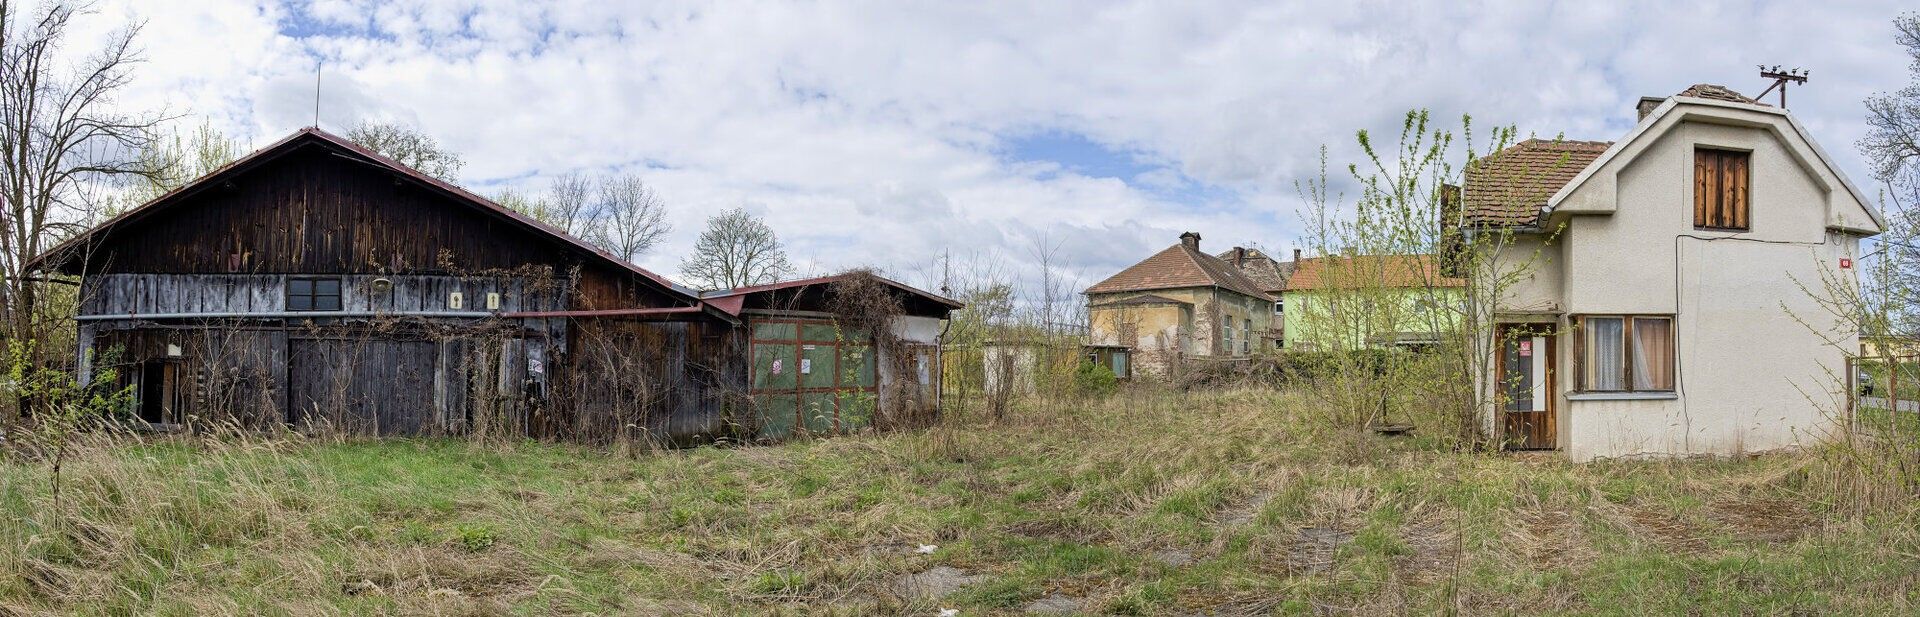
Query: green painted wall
(1348, 319)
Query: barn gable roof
(59, 256)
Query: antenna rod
(316, 91)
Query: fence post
(1893, 395)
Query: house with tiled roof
(1660, 294)
(1343, 302)
(1177, 304)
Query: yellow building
(1178, 304)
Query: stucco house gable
(1665, 306)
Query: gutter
(290, 315)
(672, 310)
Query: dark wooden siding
(313, 211)
(125, 294)
(668, 380)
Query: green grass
(1082, 501)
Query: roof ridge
(284, 144)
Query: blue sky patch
(1076, 153)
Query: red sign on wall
(1846, 263)
(1526, 348)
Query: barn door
(371, 387)
(1526, 380)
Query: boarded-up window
(1720, 189)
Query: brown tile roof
(1145, 299)
(1510, 186)
(1363, 270)
(1270, 274)
(1178, 267)
(1718, 93)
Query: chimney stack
(1239, 256)
(1296, 255)
(1190, 240)
(1647, 105)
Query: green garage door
(808, 376)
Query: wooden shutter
(1733, 188)
(1720, 179)
(1706, 173)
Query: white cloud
(872, 133)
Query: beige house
(1178, 304)
(1664, 308)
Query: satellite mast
(1781, 79)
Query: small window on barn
(305, 294)
(1720, 189)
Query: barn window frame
(1722, 189)
(313, 294)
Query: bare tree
(59, 135)
(628, 218)
(736, 250)
(408, 145)
(568, 204)
(1892, 144)
(177, 159)
(1054, 305)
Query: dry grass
(1233, 503)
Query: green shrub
(1093, 380)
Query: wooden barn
(318, 284)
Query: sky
(887, 133)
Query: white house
(1666, 305)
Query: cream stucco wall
(1160, 334)
(1758, 360)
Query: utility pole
(1781, 79)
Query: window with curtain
(1627, 353)
(1653, 353)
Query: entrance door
(1526, 379)
(156, 387)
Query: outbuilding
(317, 284)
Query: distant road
(1881, 403)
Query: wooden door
(373, 387)
(1526, 381)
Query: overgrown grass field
(1149, 503)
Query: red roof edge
(720, 296)
(411, 173)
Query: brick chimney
(1239, 256)
(1190, 240)
(1647, 105)
(1296, 255)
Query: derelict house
(318, 284)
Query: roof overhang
(1679, 109)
